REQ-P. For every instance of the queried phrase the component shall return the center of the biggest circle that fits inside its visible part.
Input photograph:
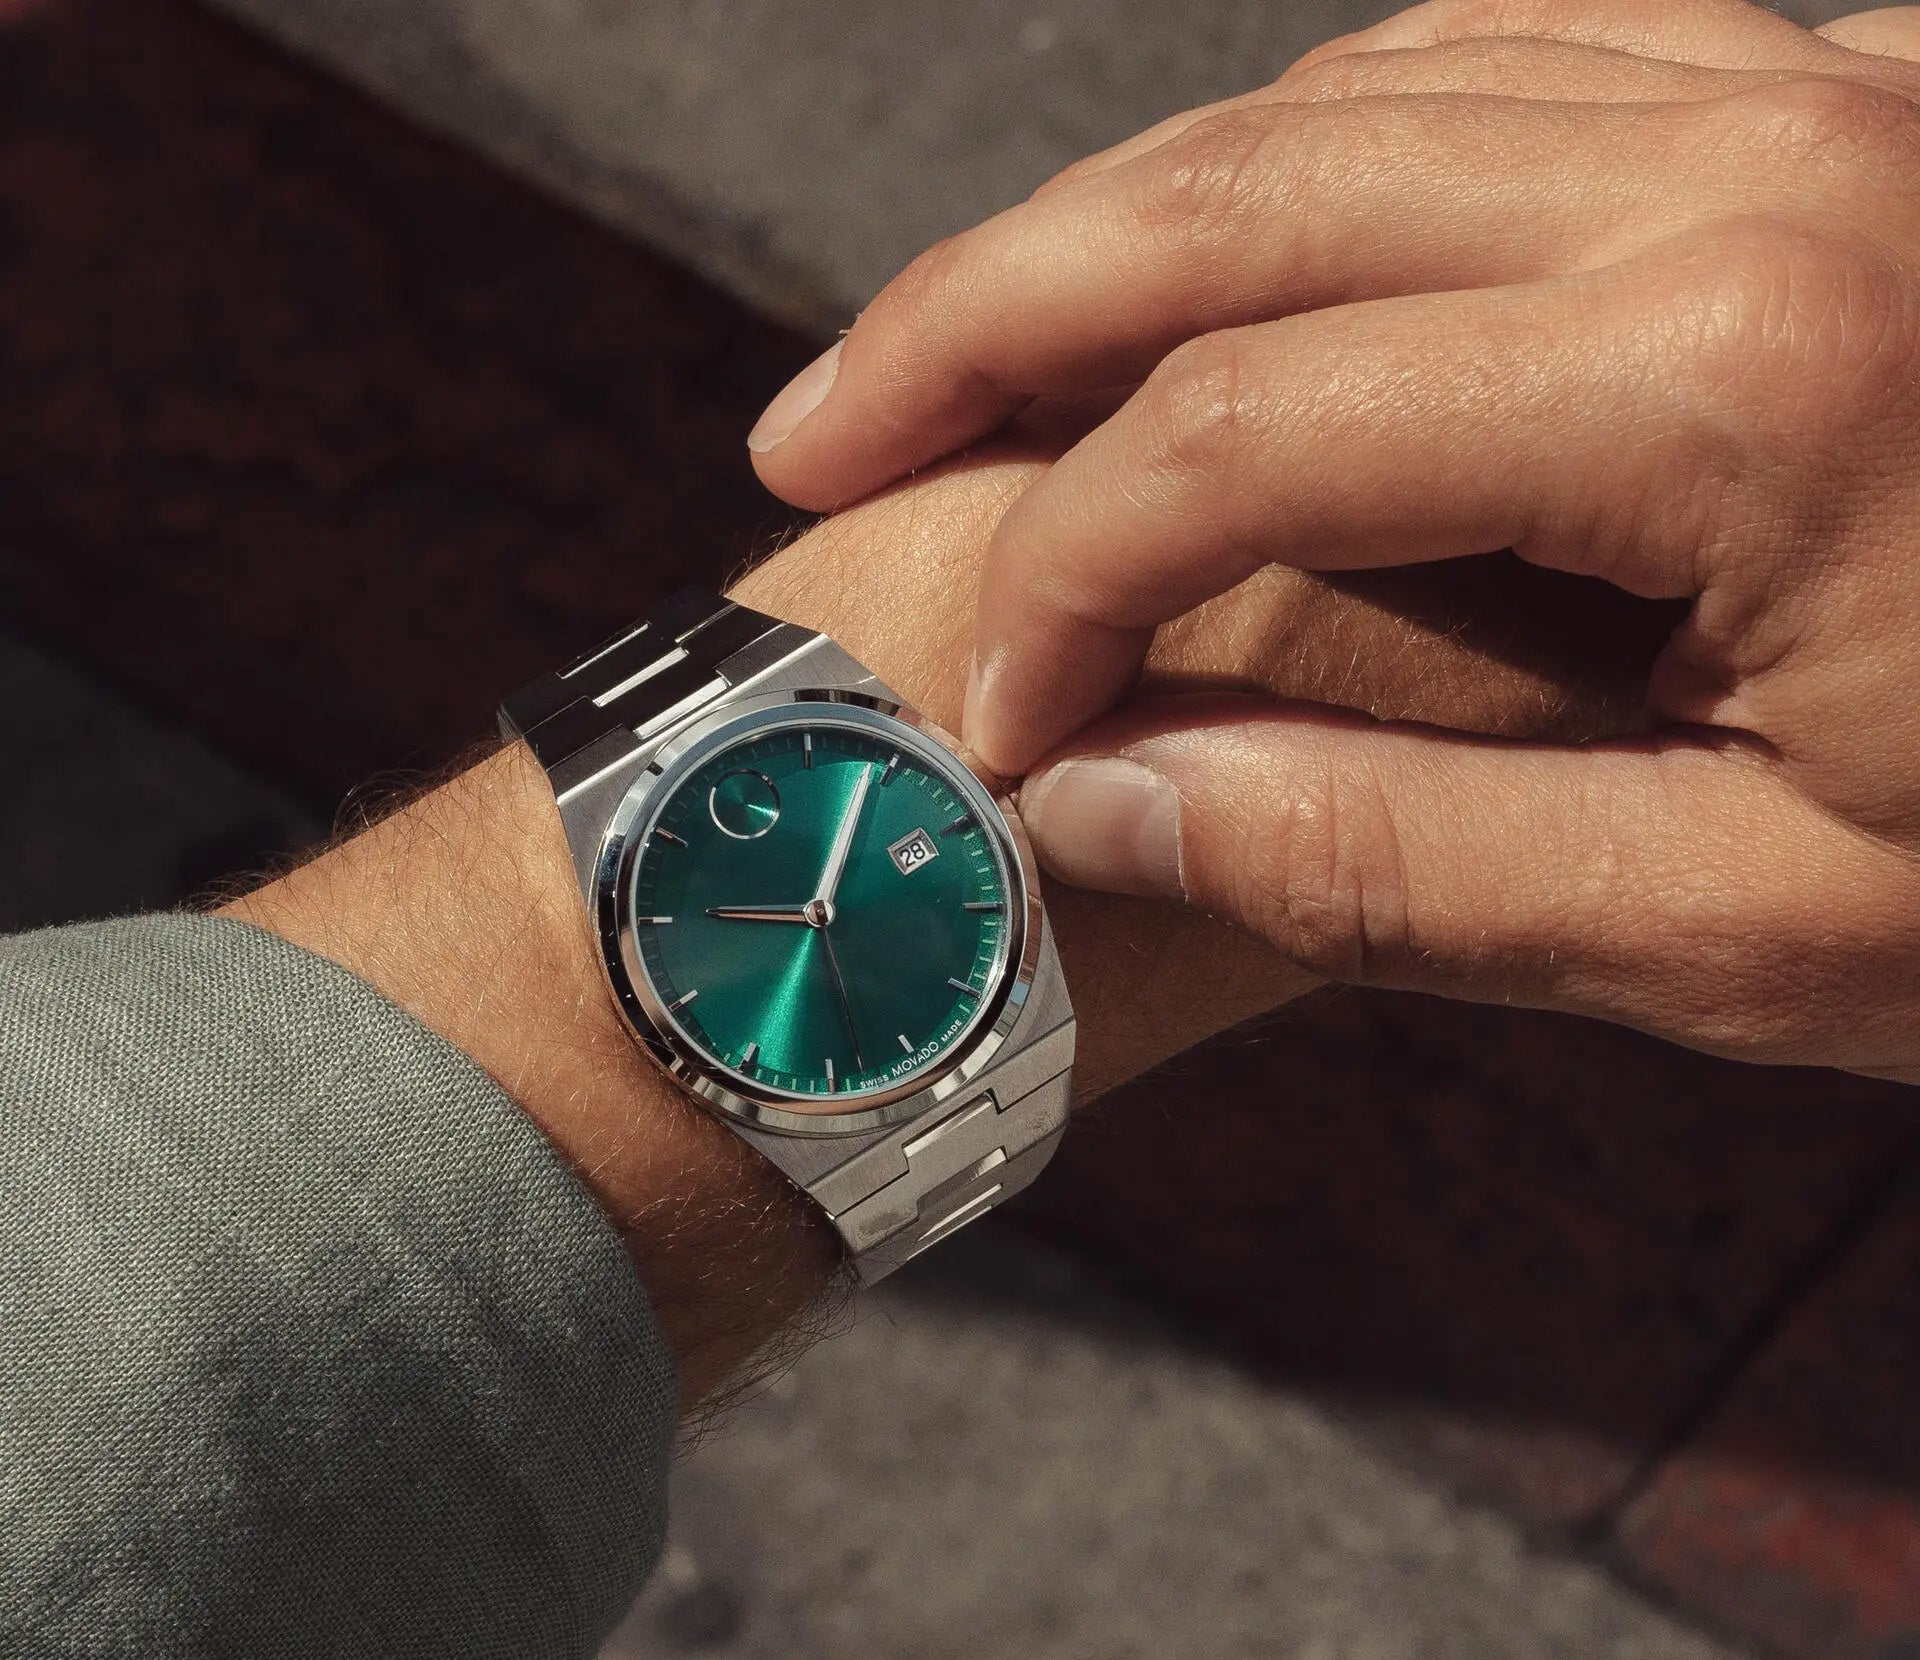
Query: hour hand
(759, 913)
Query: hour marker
(806, 750)
(669, 836)
(961, 985)
(958, 825)
(653, 921)
(682, 1001)
(904, 1044)
(752, 1055)
(893, 766)
(831, 1084)
(983, 905)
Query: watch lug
(586, 811)
(817, 665)
(1049, 1008)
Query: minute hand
(759, 913)
(843, 840)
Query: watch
(814, 915)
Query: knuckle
(1449, 19)
(1351, 75)
(1757, 277)
(1464, 63)
(1208, 408)
(1213, 189)
(1786, 937)
(1718, 976)
(1760, 1033)
(1554, 19)
(1215, 180)
(1067, 590)
(1069, 175)
(926, 286)
(1767, 1002)
(1355, 43)
(1826, 120)
(1808, 326)
(1326, 882)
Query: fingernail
(798, 399)
(970, 708)
(1106, 823)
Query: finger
(1681, 886)
(1893, 31)
(1545, 71)
(1248, 216)
(1538, 50)
(1527, 66)
(1720, 34)
(1550, 419)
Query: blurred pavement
(799, 152)
(1005, 1460)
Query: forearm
(463, 906)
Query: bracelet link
(636, 683)
(965, 1165)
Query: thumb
(1663, 883)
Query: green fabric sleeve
(309, 1342)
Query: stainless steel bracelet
(694, 647)
(939, 1172)
(890, 1193)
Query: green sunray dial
(822, 905)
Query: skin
(1439, 289)
(461, 904)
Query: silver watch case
(1027, 1039)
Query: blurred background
(363, 358)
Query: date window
(909, 853)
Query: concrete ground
(800, 152)
(1004, 1460)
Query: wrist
(894, 581)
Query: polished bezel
(725, 1090)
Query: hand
(1433, 294)
(760, 913)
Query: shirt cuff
(310, 1343)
